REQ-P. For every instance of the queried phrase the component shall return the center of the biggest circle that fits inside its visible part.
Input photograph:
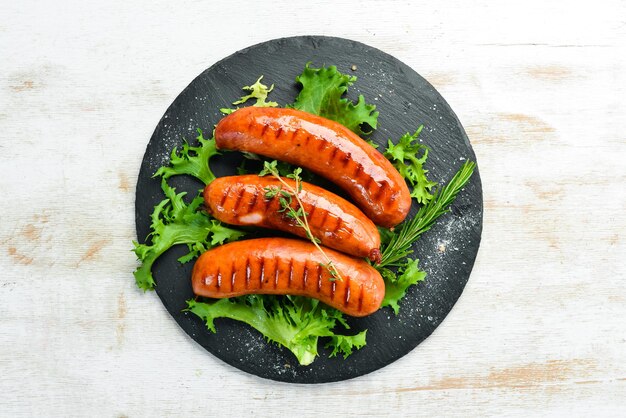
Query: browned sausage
(337, 223)
(324, 147)
(282, 266)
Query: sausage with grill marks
(337, 223)
(325, 147)
(282, 266)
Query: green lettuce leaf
(193, 161)
(321, 94)
(258, 91)
(294, 322)
(175, 222)
(397, 285)
(372, 143)
(345, 344)
(405, 156)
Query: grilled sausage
(324, 147)
(281, 266)
(337, 223)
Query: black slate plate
(404, 100)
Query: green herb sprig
(399, 246)
(297, 214)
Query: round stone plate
(405, 100)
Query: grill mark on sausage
(346, 160)
(359, 170)
(250, 123)
(330, 225)
(290, 273)
(361, 295)
(225, 195)
(218, 282)
(347, 295)
(321, 144)
(279, 132)
(276, 274)
(232, 277)
(319, 277)
(383, 187)
(265, 126)
(305, 275)
(369, 182)
(247, 273)
(240, 194)
(337, 226)
(310, 212)
(323, 220)
(333, 154)
(262, 274)
(333, 287)
(307, 139)
(255, 196)
(390, 197)
(291, 134)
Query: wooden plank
(540, 327)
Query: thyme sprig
(285, 199)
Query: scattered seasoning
(353, 68)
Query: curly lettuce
(294, 322)
(322, 94)
(397, 284)
(258, 91)
(409, 157)
(174, 222)
(192, 161)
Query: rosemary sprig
(297, 214)
(399, 247)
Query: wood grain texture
(540, 328)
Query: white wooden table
(540, 88)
